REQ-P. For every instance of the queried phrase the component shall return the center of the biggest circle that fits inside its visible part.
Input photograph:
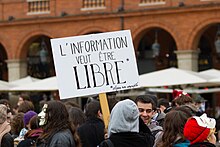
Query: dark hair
(26, 106)
(34, 125)
(112, 100)
(147, 98)
(69, 103)
(92, 108)
(164, 102)
(34, 122)
(173, 127)
(57, 120)
(17, 124)
(7, 104)
(4, 102)
(76, 115)
(183, 99)
(25, 97)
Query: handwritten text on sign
(97, 63)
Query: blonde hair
(3, 113)
(212, 131)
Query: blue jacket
(186, 143)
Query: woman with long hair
(6, 139)
(57, 129)
(173, 129)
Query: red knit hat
(197, 128)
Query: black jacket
(144, 130)
(91, 133)
(7, 141)
(60, 139)
(127, 139)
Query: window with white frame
(38, 6)
(93, 3)
(152, 2)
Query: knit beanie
(197, 128)
(3, 113)
(27, 116)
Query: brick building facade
(186, 31)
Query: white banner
(95, 63)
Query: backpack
(107, 143)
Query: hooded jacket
(123, 130)
(124, 118)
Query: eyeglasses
(145, 110)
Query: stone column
(187, 59)
(17, 68)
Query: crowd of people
(145, 121)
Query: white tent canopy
(169, 77)
(198, 91)
(213, 77)
(215, 73)
(25, 80)
(215, 80)
(48, 84)
(5, 86)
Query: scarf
(4, 128)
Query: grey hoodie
(124, 118)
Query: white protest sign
(95, 63)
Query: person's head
(3, 113)
(93, 109)
(111, 94)
(26, 106)
(112, 100)
(181, 98)
(200, 129)
(77, 117)
(17, 123)
(199, 99)
(163, 104)
(146, 107)
(9, 112)
(27, 117)
(199, 102)
(173, 126)
(5, 102)
(34, 122)
(124, 118)
(23, 97)
(53, 114)
(34, 129)
(69, 103)
(55, 118)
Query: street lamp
(156, 46)
(217, 41)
